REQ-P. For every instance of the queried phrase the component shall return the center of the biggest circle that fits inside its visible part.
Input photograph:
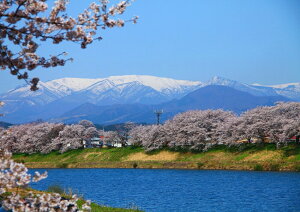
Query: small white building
(93, 143)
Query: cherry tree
(91, 132)
(284, 122)
(71, 137)
(278, 123)
(254, 124)
(122, 132)
(39, 137)
(192, 130)
(10, 138)
(110, 137)
(25, 24)
(86, 123)
(138, 134)
(30, 138)
(197, 130)
(14, 176)
(90, 129)
(150, 137)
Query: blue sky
(251, 41)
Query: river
(182, 190)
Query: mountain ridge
(57, 97)
(208, 97)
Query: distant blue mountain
(209, 97)
(221, 97)
(5, 124)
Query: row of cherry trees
(47, 137)
(192, 130)
(199, 130)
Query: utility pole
(1, 104)
(158, 113)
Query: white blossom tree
(71, 137)
(25, 24)
(86, 123)
(192, 130)
(197, 130)
(14, 176)
(278, 123)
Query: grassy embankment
(249, 157)
(80, 202)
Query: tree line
(46, 137)
(196, 130)
(200, 130)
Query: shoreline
(166, 166)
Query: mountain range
(119, 99)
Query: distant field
(248, 157)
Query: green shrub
(258, 167)
(134, 165)
(274, 167)
(56, 188)
(200, 165)
(297, 168)
(19, 161)
(63, 165)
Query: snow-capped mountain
(102, 88)
(59, 96)
(290, 90)
(252, 89)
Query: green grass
(243, 157)
(73, 156)
(100, 208)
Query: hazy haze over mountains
(66, 98)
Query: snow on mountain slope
(71, 84)
(44, 95)
(56, 89)
(157, 83)
(290, 90)
(288, 85)
(252, 89)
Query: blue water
(182, 190)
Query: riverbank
(263, 157)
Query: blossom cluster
(15, 175)
(45, 137)
(201, 130)
(25, 24)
